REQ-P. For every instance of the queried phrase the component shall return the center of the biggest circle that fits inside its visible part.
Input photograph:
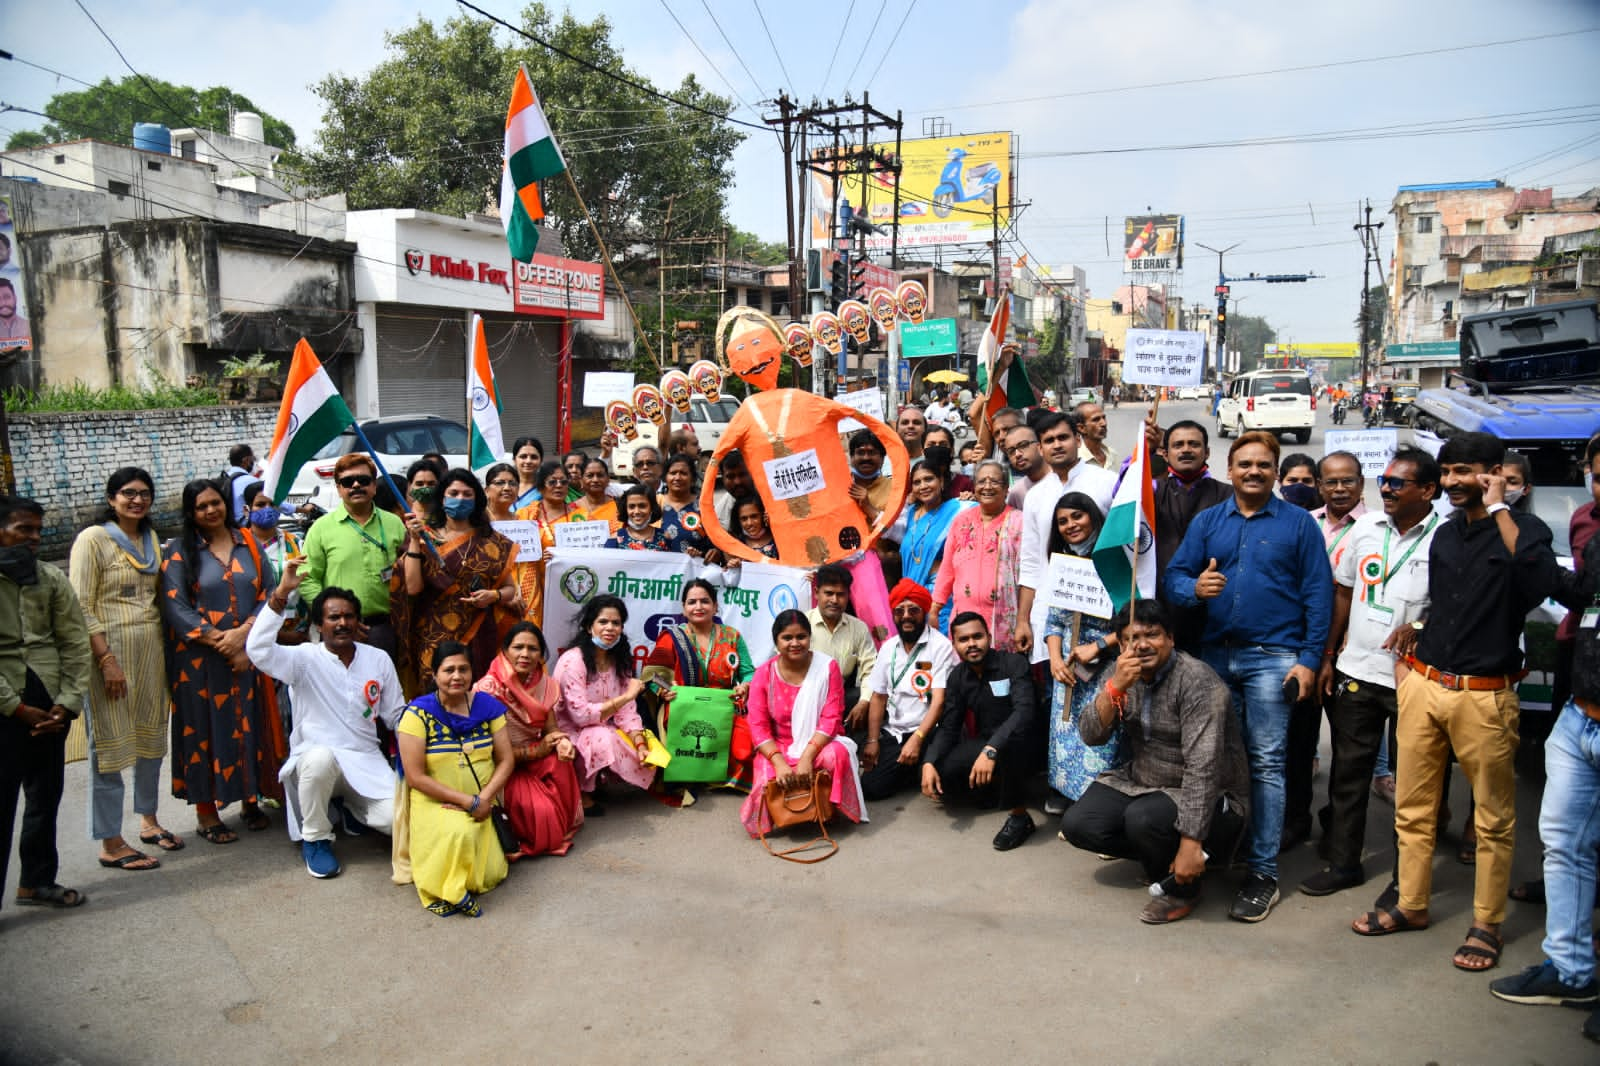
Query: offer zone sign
(565, 288)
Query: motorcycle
(979, 184)
(1374, 417)
(1340, 409)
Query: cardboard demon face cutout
(856, 320)
(913, 300)
(706, 379)
(798, 338)
(675, 386)
(649, 404)
(880, 302)
(619, 419)
(825, 328)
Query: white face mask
(1513, 495)
(639, 524)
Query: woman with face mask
(457, 585)
(640, 529)
(599, 708)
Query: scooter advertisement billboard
(950, 190)
(1152, 244)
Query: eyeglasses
(502, 483)
(990, 481)
(356, 481)
(1341, 482)
(1395, 484)
(136, 494)
(647, 462)
(1021, 446)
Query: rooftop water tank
(152, 137)
(247, 124)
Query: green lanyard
(1341, 535)
(383, 544)
(911, 658)
(1387, 572)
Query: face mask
(425, 494)
(459, 507)
(1303, 496)
(859, 476)
(603, 645)
(20, 563)
(1513, 495)
(966, 468)
(265, 518)
(638, 524)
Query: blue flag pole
(383, 473)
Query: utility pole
(1369, 254)
(1222, 304)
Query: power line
(1265, 73)
(718, 24)
(639, 86)
(781, 65)
(1554, 153)
(51, 70)
(887, 52)
(866, 43)
(702, 51)
(837, 41)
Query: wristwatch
(991, 753)
(1100, 643)
(1417, 625)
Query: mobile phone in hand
(1291, 691)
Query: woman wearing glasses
(116, 569)
(981, 556)
(503, 485)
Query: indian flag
(1127, 544)
(1013, 389)
(483, 403)
(313, 414)
(531, 156)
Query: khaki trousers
(1481, 727)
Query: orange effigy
(789, 439)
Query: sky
(1075, 82)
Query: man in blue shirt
(1259, 567)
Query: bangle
(101, 662)
(474, 805)
(415, 555)
(919, 734)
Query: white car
(1194, 392)
(707, 419)
(1277, 401)
(399, 440)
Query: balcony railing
(1491, 247)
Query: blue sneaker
(1543, 984)
(320, 861)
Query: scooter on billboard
(979, 183)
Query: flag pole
(383, 473)
(605, 257)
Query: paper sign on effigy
(794, 475)
(1074, 585)
(1164, 357)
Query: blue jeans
(1569, 824)
(1255, 675)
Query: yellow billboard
(1337, 350)
(953, 190)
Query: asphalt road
(668, 935)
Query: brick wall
(63, 460)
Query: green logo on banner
(578, 584)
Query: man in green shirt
(354, 546)
(44, 671)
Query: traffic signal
(1222, 320)
(839, 282)
(858, 280)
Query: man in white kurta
(339, 689)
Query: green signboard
(1397, 353)
(937, 336)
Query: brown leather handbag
(801, 801)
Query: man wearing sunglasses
(354, 546)
(1372, 601)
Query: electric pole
(1369, 254)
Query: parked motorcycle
(979, 183)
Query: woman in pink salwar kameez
(982, 552)
(796, 710)
(597, 709)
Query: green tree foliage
(1377, 306)
(748, 248)
(425, 129)
(1250, 335)
(108, 111)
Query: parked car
(1194, 392)
(1084, 395)
(399, 440)
(1277, 401)
(707, 419)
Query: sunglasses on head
(355, 481)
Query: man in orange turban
(907, 686)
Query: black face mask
(20, 563)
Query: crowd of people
(390, 672)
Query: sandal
(217, 834)
(162, 839)
(441, 908)
(53, 896)
(134, 860)
(1473, 951)
(468, 907)
(1528, 892)
(1467, 852)
(254, 818)
(1375, 926)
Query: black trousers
(1006, 788)
(889, 777)
(1305, 723)
(1357, 722)
(34, 767)
(1144, 828)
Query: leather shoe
(1018, 828)
(1330, 880)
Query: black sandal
(131, 860)
(217, 834)
(162, 839)
(1402, 924)
(53, 896)
(254, 818)
(1473, 951)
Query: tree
(108, 112)
(1375, 306)
(700, 731)
(425, 127)
(1250, 335)
(748, 248)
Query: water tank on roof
(247, 124)
(152, 137)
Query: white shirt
(1037, 509)
(895, 675)
(1401, 599)
(939, 414)
(335, 706)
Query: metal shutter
(422, 362)
(524, 352)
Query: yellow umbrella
(946, 377)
